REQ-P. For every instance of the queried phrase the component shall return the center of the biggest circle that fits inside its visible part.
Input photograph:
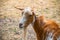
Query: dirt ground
(10, 16)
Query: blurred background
(10, 16)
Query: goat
(44, 29)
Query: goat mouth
(20, 27)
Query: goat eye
(30, 15)
(22, 13)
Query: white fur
(23, 19)
(27, 9)
(58, 38)
(50, 36)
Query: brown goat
(45, 29)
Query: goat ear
(19, 8)
(33, 13)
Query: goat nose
(20, 25)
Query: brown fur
(42, 28)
